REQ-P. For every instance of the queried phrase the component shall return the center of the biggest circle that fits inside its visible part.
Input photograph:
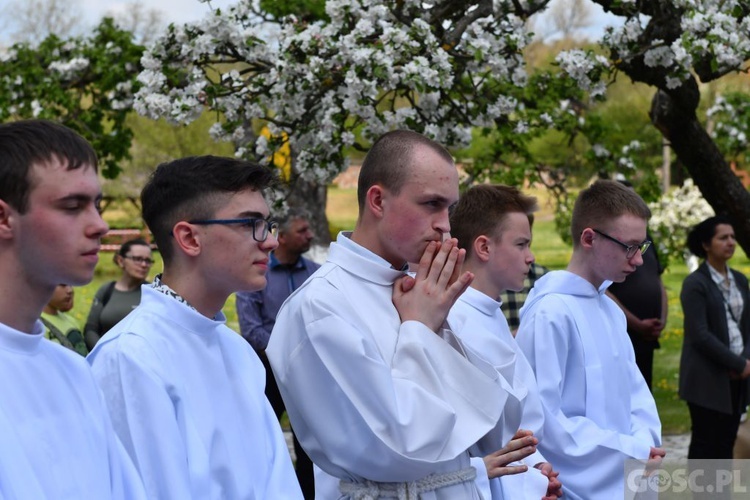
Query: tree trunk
(696, 150)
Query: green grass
(341, 210)
(549, 250)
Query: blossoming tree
(324, 87)
(677, 44)
(673, 216)
(441, 68)
(85, 83)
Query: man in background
(287, 270)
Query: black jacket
(706, 360)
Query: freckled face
(418, 214)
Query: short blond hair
(601, 203)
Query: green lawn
(550, 251)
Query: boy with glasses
(598, 410)
(56, 438)
(184, 391)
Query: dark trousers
(713, 436)
(303, 466)
(713, 432)
(644, 358)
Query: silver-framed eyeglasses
(139, 260)
(261, 227)
(630, 250)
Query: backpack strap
(108, 293)
(60, 336)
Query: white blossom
(69, 68)
(674, 214)
(600, 151)
(36, 108)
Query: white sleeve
(398, 417)
(143, 416)
(589, 457)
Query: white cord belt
(372, 490)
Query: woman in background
(714, 367)
(114, 300)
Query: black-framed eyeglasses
(139, 260)
(629, 249)
(261, 227)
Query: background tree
(730, 114)
(563, 19)
(155, 142)
(332, 86)
(670, 46)
(325, 85)
(84, 83)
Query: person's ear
(375, 200)
(481, 248)
(187, 238)
(7, 219)
(587, 238)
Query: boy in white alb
(56, 438)
(186, 393)
(492, 224)
(381, 395)
(598, 409)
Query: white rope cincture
(412, 490)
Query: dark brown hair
(36, 142)
(194, 188)
(482, 210)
